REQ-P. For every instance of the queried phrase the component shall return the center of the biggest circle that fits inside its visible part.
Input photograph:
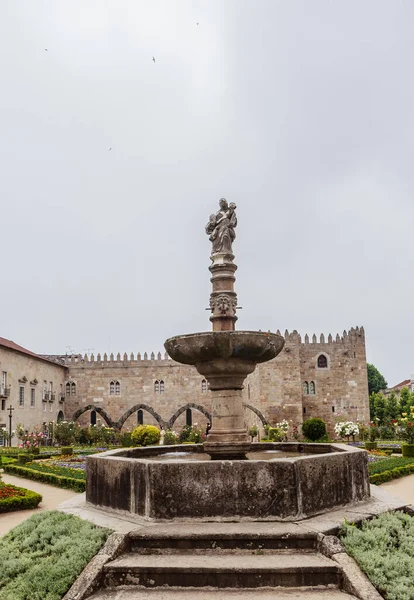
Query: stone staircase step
(302, 593)
(224, 536)
(222, 570)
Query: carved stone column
(223, 299)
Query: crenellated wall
(274, 391)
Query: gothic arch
(134, 409)
(184, 408)
(257, 412)
(97, 409)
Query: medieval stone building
(314, 377)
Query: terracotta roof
(404, 383)
(13, 346)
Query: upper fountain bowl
(225, 358)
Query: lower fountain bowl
(316, 478)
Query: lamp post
(10, 409)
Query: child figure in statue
(221, 226)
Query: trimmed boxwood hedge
(78, 485)
(378, 478)
(29, 499)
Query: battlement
(112, 358)
(354, 335)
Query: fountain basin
(324, 477)
(225, 358)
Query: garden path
(52, 497)
(402, 488)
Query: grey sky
(301, 112)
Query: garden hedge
(66, 450)
(78, 485)
(29, 499)
(408, 450)
(378, 478)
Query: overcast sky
(301, 112)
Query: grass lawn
(384, 549)
(42, 557)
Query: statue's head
(232, 206)
(223, 204)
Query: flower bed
(62, 473)
(17, 498)
(42, 557)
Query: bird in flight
(153, 59)
(109, 148)
(198, 23)
(45, 49)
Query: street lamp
(10, 409)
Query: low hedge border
(78, 485)
(391, 474)
(29, 500)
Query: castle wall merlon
(103, 359)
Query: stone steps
(138, 593)
(290, 569)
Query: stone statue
(221, 226)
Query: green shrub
(275, 434)
(41, 558)
(408, 450)
(35, 450)
(253, 431)
(24, 458)
(387, 464)
(370, 445)
(78, 485)
(170, 438)
(145, 435)
(184, 434)
(21, 500)
(125, 439)
(314, 429)
(66, 450)
(384, 549)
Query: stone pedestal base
(228, 437)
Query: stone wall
(30, 373)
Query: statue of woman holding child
(221, 227)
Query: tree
(406, 400)
(392, 407)
(376, 381)
(379, 408)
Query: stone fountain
(224, 356)
(287, 481)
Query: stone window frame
(21, 396)
(159, 386)
(70, 388)
(204, 386)
(32, 397)
(305, 387)
(312, 388)
(327, 361)
(115, 387)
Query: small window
(114, 388)
(322, 362)
(157, 387)
(3, 405)
(21, 396)
(68, 389)
(161, 387)
(73, 389)
(44, 406)
(248, 391)
(305, 388)
(2, 436)
(304, 410)
(204, 385)
(188, 417)
(312, 388)
(93, 417)
(140, 417)
(333, 409)
(32, 397)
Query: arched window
(60, 416)
(312, 388)
(157, 387)
(71, 388)
(114, 388)
(305, 388)
(93, 417)
(188, 417)
(140, 417)
(322, 362)
(161, 387)
(204, 385)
